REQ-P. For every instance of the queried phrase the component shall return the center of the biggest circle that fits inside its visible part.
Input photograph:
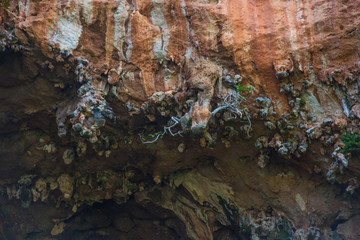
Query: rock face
(168, 119)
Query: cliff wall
(191, 119)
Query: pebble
(68, 156)
(181, 147)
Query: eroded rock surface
(168, 119)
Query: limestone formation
(179, 119)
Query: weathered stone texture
(258, 96)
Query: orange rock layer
(150, 44)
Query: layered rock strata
(191, 119)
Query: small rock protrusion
(157, 179)
(263, 161)
(353, 185)
(276, 141)
(263, 102)
(58, 228)
(61, 130)
(340, 123)
(303, 146)
(113, 77)
(226, 142)
(107, 153)
(24, 194)
(68, 156)
(341, 158)
(283, 151)
(269, 125)
(40, 190)
(181, 147)
(281, 75)
(261, 142)
(314, 133)
(328, 122)
(66, 185)
(99, 118)
(263, 113)
(81, 148)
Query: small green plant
(189, 122)
(103, 94)
(155, 134)
(5, 3)
(230, 209)
(302, 102)
(232, 102)
(160, 134)
(241, 89)
(284, 230)
(352, 143)
(245, 230)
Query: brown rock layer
(191, 119)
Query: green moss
(352, 143)
(283, 235)
(5, 3)
(189, 122)
(230, 210)
(242, 89)
(155, 134)
(284, 228)
(302, 102)
(132, 187)
(245, 230)
(87, 134)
